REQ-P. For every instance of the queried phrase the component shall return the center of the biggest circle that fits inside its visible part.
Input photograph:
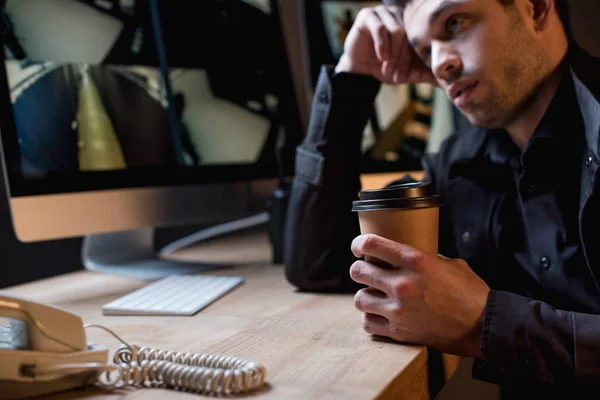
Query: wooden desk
(312, 345)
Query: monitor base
(132, 253)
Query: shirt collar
(555, 128)
(590, 111)
(584, 73)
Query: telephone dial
(48, 352)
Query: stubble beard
(514, 78)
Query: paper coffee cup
(406, 213)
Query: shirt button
(531, 188)
(466, 236)
(589, 160)
(545, 262)
(323, 97)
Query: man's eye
(455, 23)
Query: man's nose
(445, 62)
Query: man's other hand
(377, 45)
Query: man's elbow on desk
(326, 272)
(312, 278)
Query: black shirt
(535, 233)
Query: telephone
(48, 352)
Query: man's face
(484, 55)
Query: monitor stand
(132, 253)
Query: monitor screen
(126, 93)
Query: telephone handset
(49, 353)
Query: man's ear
(541, 11)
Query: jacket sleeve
(529, 341)
(320, 225)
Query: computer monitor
(120, 116)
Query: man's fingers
(396, 36)
(386, 69)
(402, 63)
(375, 324)
(371, 301)
(397, 254)
(371, 275)
(390, 22)
(419, 72)
(380, 35)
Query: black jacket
(528, 343)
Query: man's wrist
(477, 353)
(473, 342)
(485, 323)
(343, 65)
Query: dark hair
(561, 7)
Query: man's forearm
(320, 225)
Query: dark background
(22, 262)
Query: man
(520, 292)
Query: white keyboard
(173, 295)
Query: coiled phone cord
(210, 374)
(205, 373)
